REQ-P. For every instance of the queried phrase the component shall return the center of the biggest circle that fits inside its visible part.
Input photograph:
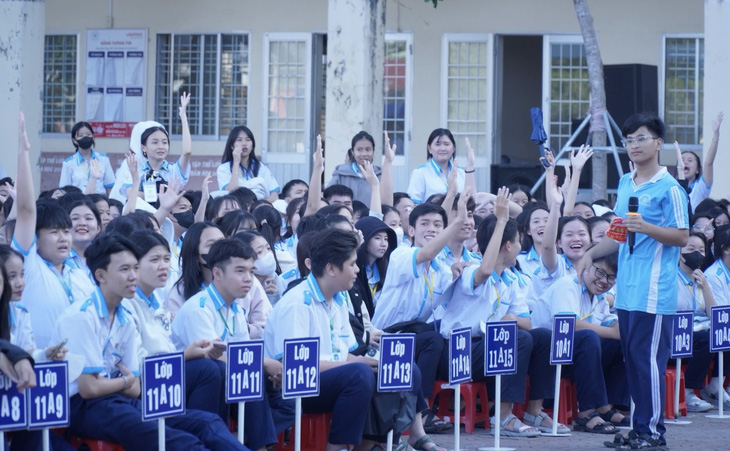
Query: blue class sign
(720, 328)
(48, 400)
(244, 371)
(300, 370)
(460, 356)
(163, 386)
(395, 368)
(500, 350)
(562, 339)
(682, 328)
(12, 405)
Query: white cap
(135, 139)
(280, 205)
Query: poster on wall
(116, 75)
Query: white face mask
(265, 265)
(398, 235)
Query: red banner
(112, 129)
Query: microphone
(633, 210)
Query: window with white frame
(214, 69)
(397, 90)
(60, 57)
(287, 94)
(683, 90)
(466, 82)
(568, 85)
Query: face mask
(398, 235)
(85, 142)
(693, 259)
(266, 265)
(184, 219)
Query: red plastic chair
(315, 433)
(669, 380)
(469, 391)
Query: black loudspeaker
(522, 174)
(631, 88)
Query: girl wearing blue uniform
(88, 170)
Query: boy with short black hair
(646, 288)
(106, 406)
(338, 194)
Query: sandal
(423, 441)
(536, 422)
(581, 425)
(433, 424)
(607, 416)
(519, 429)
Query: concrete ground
(703, 434)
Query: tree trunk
(598, 98)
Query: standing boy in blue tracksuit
(105, 398)
(646, 286)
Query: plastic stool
(469, 390)
(669, 380)
(568, 403)
(315, 433)
(95, 445)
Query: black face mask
(85, 143)
(693, 259)
(184, 219)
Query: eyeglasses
(700, 228)
(640, 140)
(601, 274)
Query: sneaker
(712, 398)
(695, 404)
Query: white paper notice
(133, 105)
(134, 69)
(94, 104)
(95, 69)
(113, 105)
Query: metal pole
(241, 415)
(676, 388)
(556, 407)
(720, 389)
(160, 434)
(46, 440)
(457, 417)
(389, 441)
(497, 408)
(298, 424)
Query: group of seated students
(153, 269)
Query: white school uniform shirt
(529, 262)
(567, 296)
(689, 297)
(542, 279)
(303, 313)
(429, 179)
(206, 316)
(699, 191)
(75, 171)
(47, 292)
(257, 307)
(153, 322)
(167, 171)
(21, 331)
(718, 277)
(471, 305)
(262, 185)
(101, 343)
(409, 289)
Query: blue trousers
(598, 371)
(346, 392)
(429, 346)
(646, 341)
(205, 386)
(118, 419)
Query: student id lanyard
(228, 330)
(333, 339)
(440, 173)
(496, 305)
(64, 279)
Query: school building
(290, 69)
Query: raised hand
(501, 203)
(369, 173)
(23, 143)
(94, 169)
(453, 181)
(555, 192)
(680, 162)
(470, 157)
(318, 157)
(169, 195)
(184, 102)
(579, 159)
(205, 187)
(548, 160)
(461, 211)
(718, 122)
(388, 150)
